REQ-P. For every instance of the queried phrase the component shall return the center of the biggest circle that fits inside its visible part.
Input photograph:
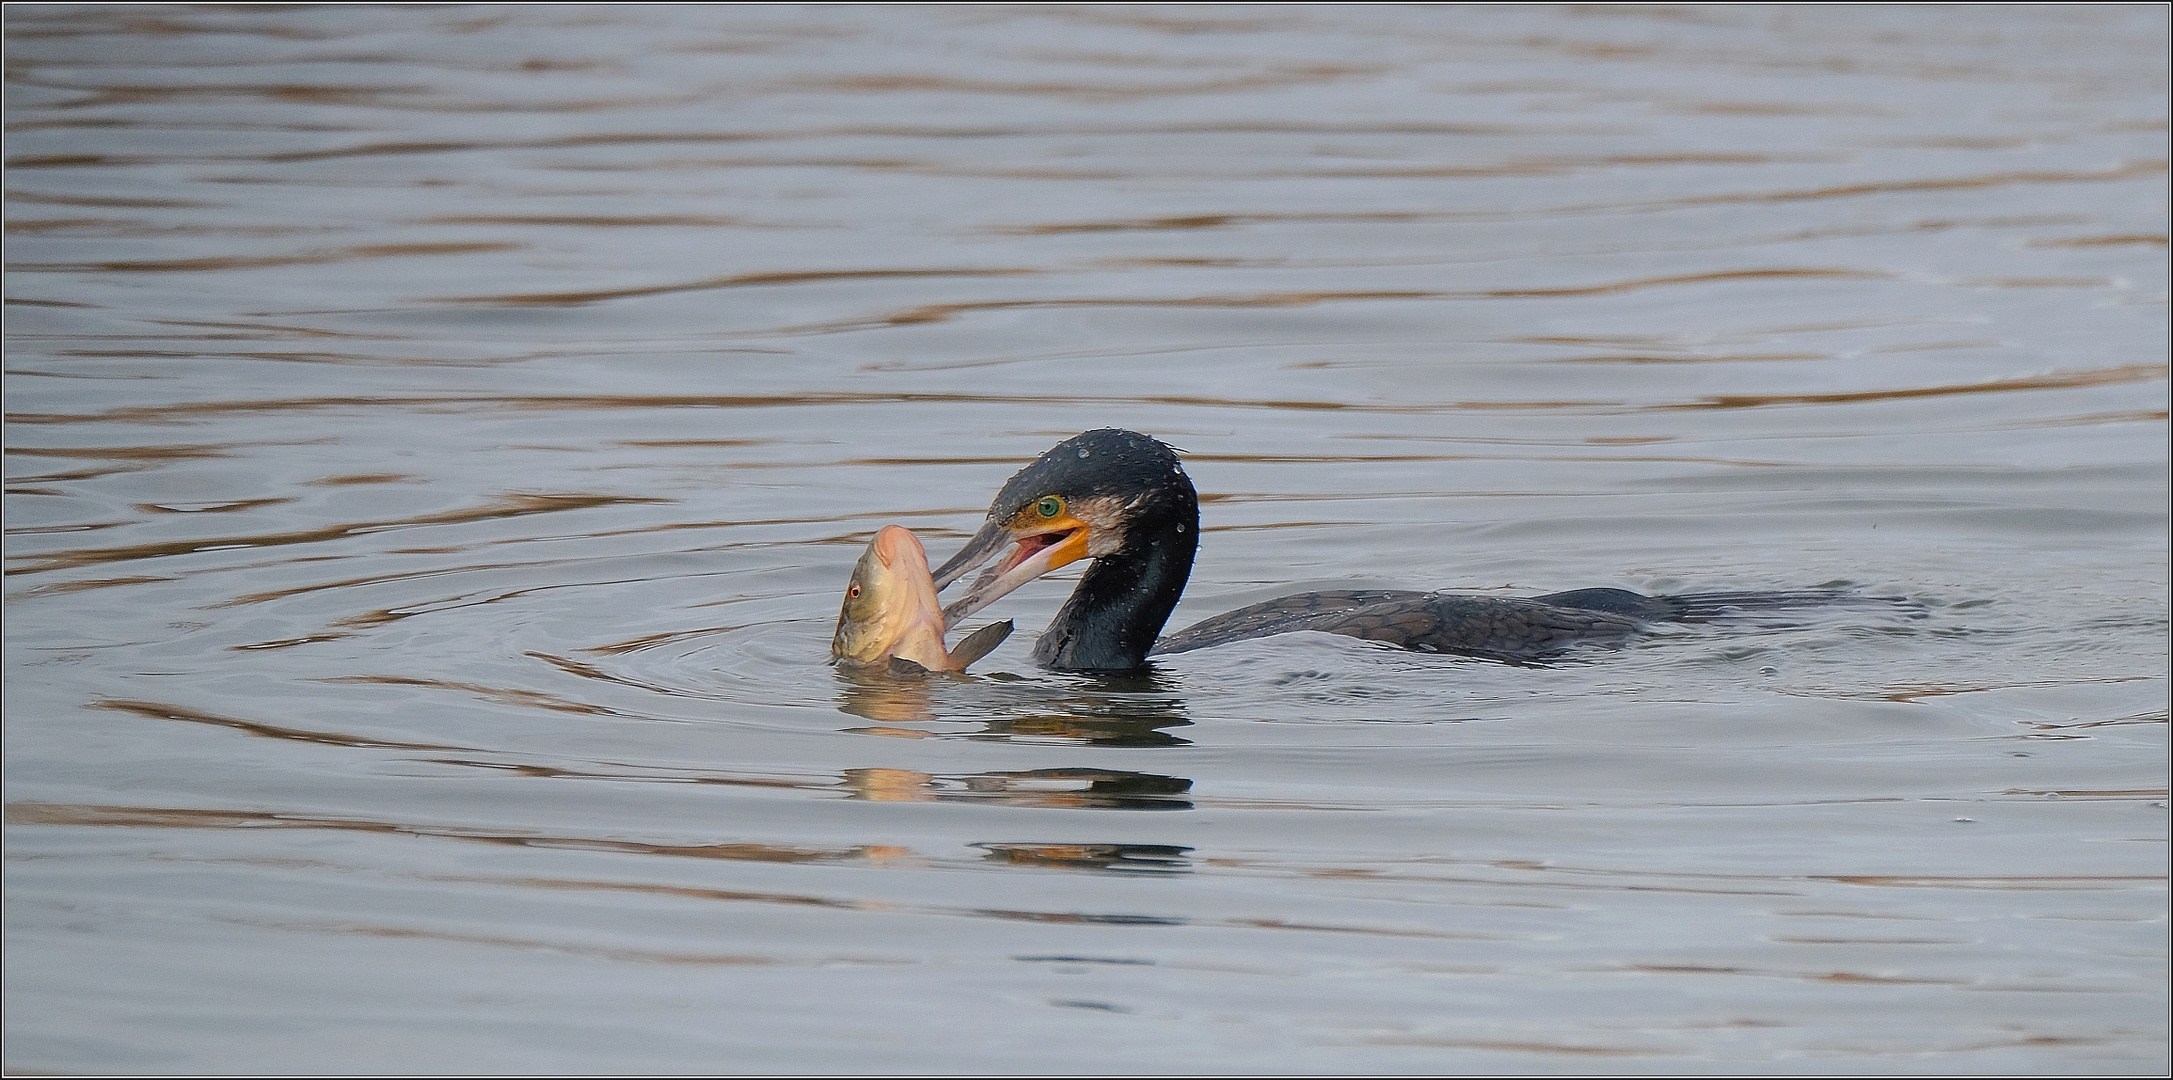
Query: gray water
(437, 439)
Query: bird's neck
(1117, 611)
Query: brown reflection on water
(590, 671)
(505, 506)
(2144, 240)
(258, 262)
(646, 641)
(161, 711)
(363, 478)
(934, 313)
(58, 587)
(590, 221)
(348, 583)
(1550, 875)
(2032, 882)
(1718, 358)
(731, 281)
(638, 774)
(124, 458)
(2037, 283)
(129, 227)
(1152, 858)
(1508, 1046)
(48, 530)
(2079, 793)
(2126, 171)
(1811, 976)
(1278, 76)
(1560, 164)
(525, 699)
(1097, 857)
(1058, 788)
(201, 410)
(1786, 940)
(594, 952)
(1687, 279)
(2058, 380)
(1204, 221)
(2128, 373)
(148, 817)
(210, 508)
(116, 202)
(879, 855)
(2156, 717)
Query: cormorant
(1123, 500)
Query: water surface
(437, 438)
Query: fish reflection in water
(1068, 789)
(1152, 858)
(1129, 709)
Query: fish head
(890, 609)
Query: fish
(891, 618)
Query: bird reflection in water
(1129, 709)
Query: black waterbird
(1123, 500)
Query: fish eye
(852, 592)
(1049, 506)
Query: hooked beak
(1047, 546)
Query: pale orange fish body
(891, 611)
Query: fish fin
(978, 644)
(901, 666)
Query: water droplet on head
(1084, 452)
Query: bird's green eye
(1049, 507)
